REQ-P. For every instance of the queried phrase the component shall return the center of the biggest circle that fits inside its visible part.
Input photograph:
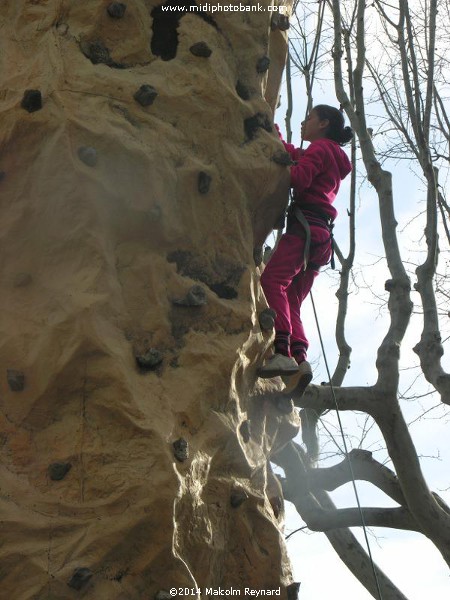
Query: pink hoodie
(317, 175)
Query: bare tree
(415, 117)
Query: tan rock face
(133, 191)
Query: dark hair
(336, 130)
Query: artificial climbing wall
(139, 175)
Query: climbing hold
(88, 155)
(277, 505)
(244, 430)
(181, 449)
(163, 595)
(145, 95)
(203, 182)
(282, 158)
(258, 255)
(237, 498)
(16, 380)
(280, 22)
(263, 64)
(201, 49)
(80, 578)
(266, 319)
(150, 359)
(223, 290)
(292, 590)
(22, 279)
(32, 100)
(242, 91)
(96, 51)
(258, 121)
(57, 471)
(116, 10)
(196, 296)
(2, 175)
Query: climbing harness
(352, 474)
(294, 211)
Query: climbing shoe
(278, 364)
(299, 381)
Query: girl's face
(313, 128)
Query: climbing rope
(363, 523)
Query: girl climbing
(307, 243)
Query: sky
(409, 559)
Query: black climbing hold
(196, 296)
(203, 182)
(181, 449)
(201, 49)
(263, 64)
(237, 498)
(280, 22)
(16, 380)
(267, 319)
(116, 10)
(80, 578)
(150, 359)
(244, 430)
(145, 95)
(96, 51)
(292, 590)
(163, 595)
(284, 405)
(32, 100)
(57, 471)
(258, 121)
(282, 158)
(258, 255)
(283, 23)
(22, 279)
(223, 290)
(88, 155)
(242, 91)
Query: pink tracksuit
(315, 180)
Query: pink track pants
(286, 284)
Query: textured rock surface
(93, 252)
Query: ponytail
(336, 130)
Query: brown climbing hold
(196, 296)
(57, 471)
(181, 450)
(242, 91)
(280, 157)
(80, 578)
(16, 380)
(32, 100)
(116, 10)
(244, 430)
(88, 155)
(201, 49)
(145, 95)
(237, 498)
(292, 590)
(204, 182)
(267, 319)
(149, 360)
(263, 64)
